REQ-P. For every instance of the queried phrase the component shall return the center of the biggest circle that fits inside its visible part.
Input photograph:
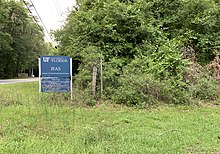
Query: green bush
(137, 89)
(205, 89)
(144, 90)
(157, 77)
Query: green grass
(30, 125)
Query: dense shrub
(144, 90)
(152, 78)
(206, 88)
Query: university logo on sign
(46, 59)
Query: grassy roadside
(28, 125)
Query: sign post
(55, 74)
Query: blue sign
(55, 84)
(55, 66)
(55, 74)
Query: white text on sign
(55, 69)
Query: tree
(122, 31)
(21, 39)
(195, 23)
(5, 38)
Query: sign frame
(57, 63)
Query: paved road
(11, 81)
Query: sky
(52, 12)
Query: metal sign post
(55, 74)
(39, 64)
(71, 78)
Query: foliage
(195, 22)
(157, 77)
(20, 37)
(206, 88)
(123, 32)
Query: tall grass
(54, 125)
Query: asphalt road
(11, 81)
